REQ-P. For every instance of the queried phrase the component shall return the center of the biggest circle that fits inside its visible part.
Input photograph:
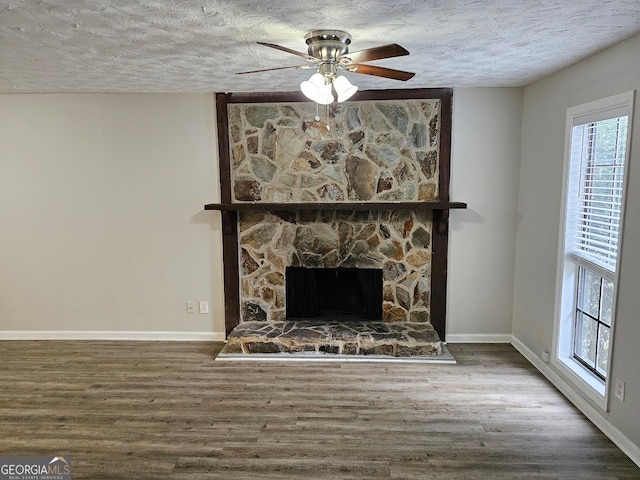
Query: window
(595, 162)
(592, 329)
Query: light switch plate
(203, 306)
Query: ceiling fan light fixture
(344, 88)
(329, 51)
(317, 89)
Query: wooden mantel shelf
(351, 206)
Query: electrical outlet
(619, 392)
(203, 306)
(540, 334)
(191, 307)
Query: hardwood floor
(165, 410)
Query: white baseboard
(478, 338)
(593, 414)
(111, 335)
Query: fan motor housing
(327, 44)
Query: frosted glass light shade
(344, 88)
(317, 90)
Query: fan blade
(376, 53)
(380, 72)
(276, 68)
(288, 50)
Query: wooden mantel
(439, 207)
(350, 206)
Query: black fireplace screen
(334, 293)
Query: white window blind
(595, 190)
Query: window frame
(569, 264)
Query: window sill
(590, 385)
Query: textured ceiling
(199, 45)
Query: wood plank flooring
(166, 410)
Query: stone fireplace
(396, 242)
(358, 187)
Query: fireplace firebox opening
(333, 294)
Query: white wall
(613, 71)
(485, 169)
(101, 214)
(103, 228)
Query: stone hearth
(340, 338)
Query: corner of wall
(593, 414)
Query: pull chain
(327, 115)
(317, 117)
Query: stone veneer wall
(398, 242)
(369, 151)
(375, 151)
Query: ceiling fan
(328, 53)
